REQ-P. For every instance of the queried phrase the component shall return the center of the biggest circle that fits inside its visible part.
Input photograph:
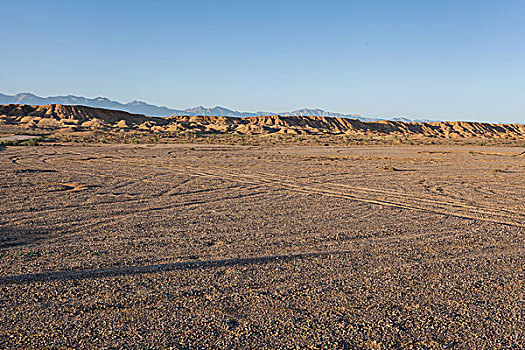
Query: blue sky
(450, 60)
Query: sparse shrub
(30, 142)
(389, 168)
(28, 254)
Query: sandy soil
(202, 246)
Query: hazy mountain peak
(141, 107)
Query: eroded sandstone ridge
(80, 118)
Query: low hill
(80, 117)
(57, 116)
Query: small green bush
(30, 142)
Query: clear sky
(450, 60)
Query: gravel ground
(199, 246)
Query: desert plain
(194, 246)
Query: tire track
(457, 208)
(99, 205)
(470, 212)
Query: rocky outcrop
(24, 113)
(65, 116)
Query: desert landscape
(126, 231)
(262, 175)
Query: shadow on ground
(134, 270)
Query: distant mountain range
(140, 107)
